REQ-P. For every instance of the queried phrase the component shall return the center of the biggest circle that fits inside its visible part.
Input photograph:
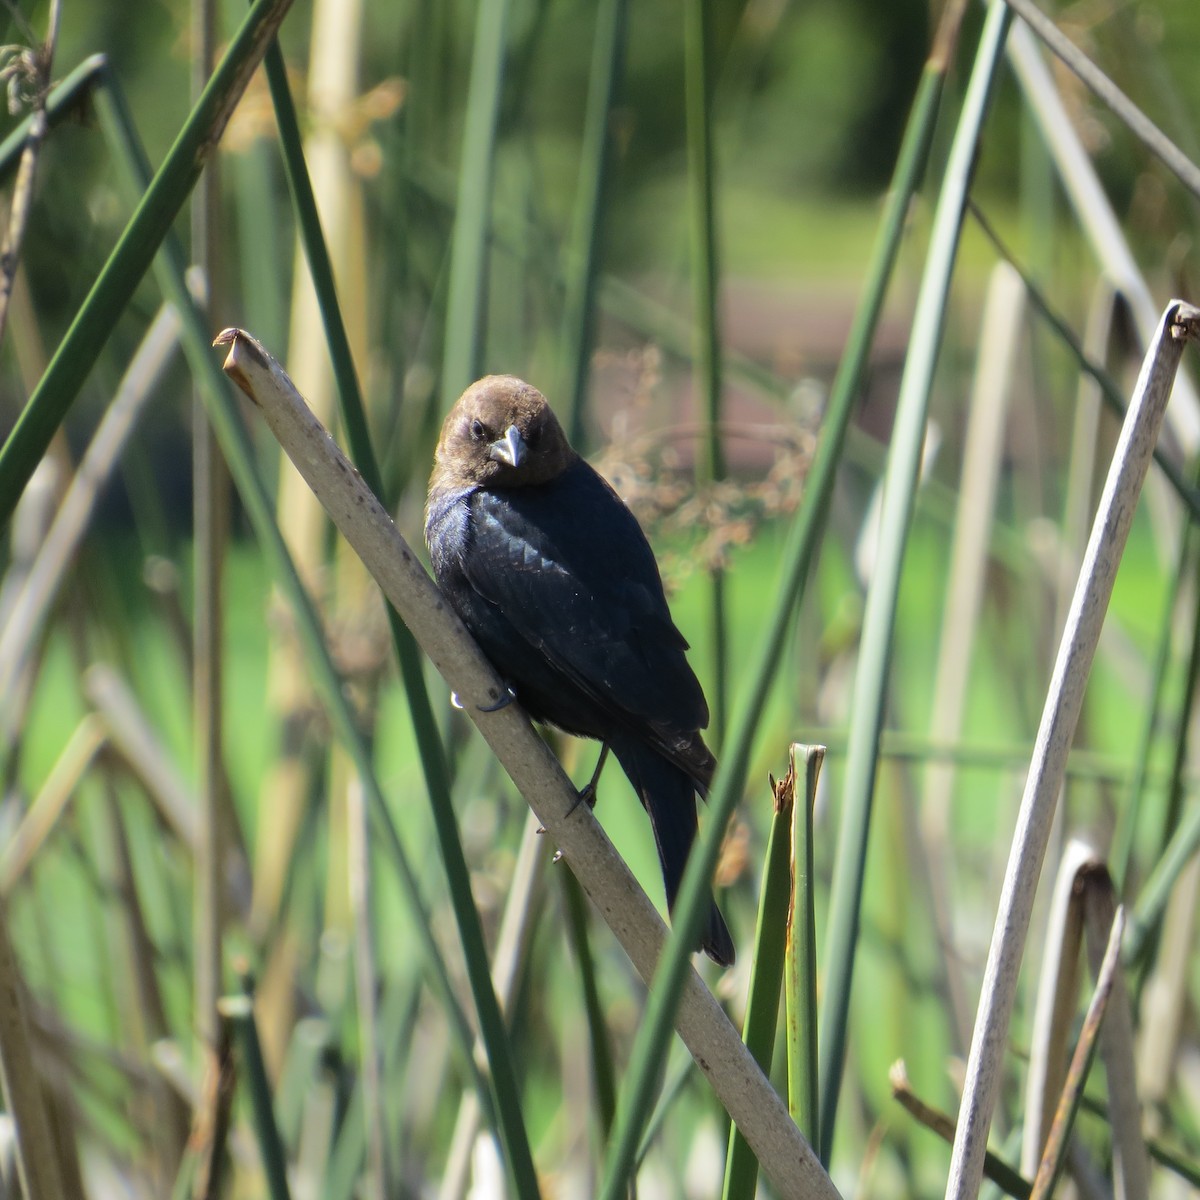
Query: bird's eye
(533, 436)
(478, 432)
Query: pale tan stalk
(1131, 460)
(332, 88)
(718, 1050)
(1002, 325)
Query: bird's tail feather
(669, 798)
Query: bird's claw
(585, 795)
(505, 700)
(558, 853)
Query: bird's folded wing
(578, 581)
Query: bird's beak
(511, 448)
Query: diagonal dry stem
(743, 1089)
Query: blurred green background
(589, 285)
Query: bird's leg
(587, 794)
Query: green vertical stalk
(771, 946)
(507, 1094)
(1176, 838)
(608, 55)
(710, 466)
(466, 302)
(603, 1075)
(239, 1011)
(210, 519)
(1177, 786)
(1127, 821)
(879, 621)
(803, 538)
(800, 978)
(260, 253)
(1156, 892)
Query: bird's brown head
(501, 433)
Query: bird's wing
(571, 570)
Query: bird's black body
(555, 579)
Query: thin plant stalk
(802, 542)
(239, 1011)
(37, 1158)
(1180, 756)
(706, 339)
(866, 719)
(1124, 835)
(64, 102)
(1164, 999)
(465, 302)
(332, 88)
(210, 522)
(1102, 914)
(766, 974)
(1155, 894)
(47, 807)
(507, 1108)
(1086, 193)
(366, 975)
(800, 977)
(1131, 459)
(672, 1090)
(170, 1112)
(133, 737)
(579, 301)
(1057, 1000)
(133, 254)
(1082, 765)
(1187, 491)
(1131, 116)
(1054, 1159)
(1000, 338)
(1005, 1177)
(1081, 470)
(603, 1073)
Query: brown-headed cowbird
(552, 574)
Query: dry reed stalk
(37, 1160)
(1057, 1001)
(1002, 325)
(1131, 459)
(718, 1050)
(332, 89)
